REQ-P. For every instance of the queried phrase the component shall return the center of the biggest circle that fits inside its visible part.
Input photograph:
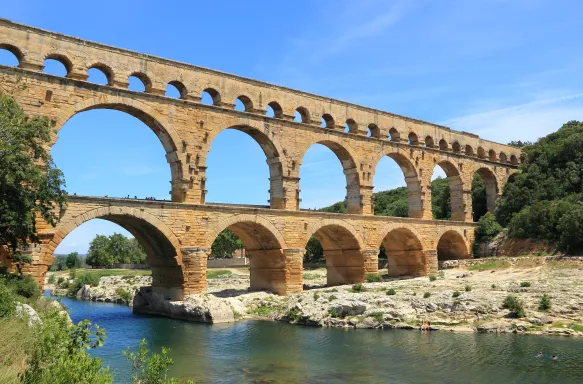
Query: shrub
(51, 279)
(432, 277)
(316, 296)
(493, 286)
(456, 294)
(334, 313)
(358, 288)
(73, 273)
(468, 288)
(27, 287)
(544, 303)
(7, 301)
(126, 296)
(486, 230)
(373, 278)
(426, 295)
(525, 284)
(513, 304)
(379, 317)
(391, 292)
(60, 280)
(88, 279)
(332, 297)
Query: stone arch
(394, 135)
(162, 247)
(374, 130)
(264, 246)
(491, 186)
(351, 172)
(481, 153)
(469, 150)
(352, 126)
(443, 146)
(456, 147)
(247, 103)
(144, 79)
(342, 250)
(277, 109)
(67, 63)
(513, 160)
(492, 156)
(180, 87)
(106, 70)
(304, 115)
(404, 249)
(451, 246)
(503, 158)
(413, 139)
(271, 148)
(328, 121)
(214, 94)
(165, 133)
(456, 188)
(411, 179)
(17, 52)
(429, 143)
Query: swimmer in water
(554, 357)
(540, 354)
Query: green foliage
(314, 251)
(334, 313)
(115, 249)
(479, 200)
(513, 304)
(426, 295)
(59, 353)
(124, 295)
(373, 278)
(432, 277)
(358, 288)
(73, 260)
(468, 288)
(7, 300)
(378, 316)
(495, 264)
(440, 199)
(544, 200)
(225, 244)
(544, 303)
(391, 203)
(30, 185)
(216, 273)
(339, 207)
(26, 286)
(73, 273)
(59, 264)
(525, 284)
(261, 310)
(391, 292)
(486, 230)
(51, 279)
(456, 294)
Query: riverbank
(468, 298)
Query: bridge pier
(194, 262)
(344, 266)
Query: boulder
(25, 310)
(346, 308)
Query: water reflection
(266, 352)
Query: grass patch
(217, 273)
(391, 292)
(126, 296)
(15, 339)
(379, 317)
(262, 310)
(432, 277)
(515, 305)
(373, 278)
(456, 294)
(426, 295)
(577, 327)
(312, 276)
(544, 303)
(490, 265)
(468, 288)
(334, 313)
(525, 284)
(99, 273)
(358, 288)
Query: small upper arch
(429, 143)
(481, 153)
(492, 155)
(274, 110)
(394, 134)
(215, 96)
(180, 88)
(413, 139)
(327, 121)
(374, 131)
(302, 115)
(105, 69)
(246, 102)
(14, 50)
(144, 79)
(469, 150)
(456, 147)
(61, 59)
(351, 126)
(513, 160)
(443, 146)
(503, 157)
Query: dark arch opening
(455, 147)
(373, 131)
(243, 104)
(481, 153)
(394, 135)
(513, 160)
(490, 187)
(429, 142)
(351, 202)
(327, 121)
(479, 199)
(57, 65)
(397, 187)
(115, 245)
(447, 199)
(405, 256)
(443, 146)
(413, 139)
(492, 155)
(10, 56)
(503, 158)
(176, 90)
(228, 169)
(469, 150)
(274, 110)
(140, 172)
(451, 246)
(100, 74)
(139, 82)
(302, 115)
(210, 96)
(341, 250)
(350, 126)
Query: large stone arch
(350, 167)
(490, 184)
(410, 175)
(164, 131)
(452, 245)
(274, 153)
(249, 219)
(163, 249)
(345, 262)
(404, 249)
(456, 187)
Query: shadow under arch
(272, 150)
(452, 246)
(351, 173)
(167, 136)
(491, 186)
(263, 245)
(404, 252)
(342, 251)
(456, 189)
(162, 247)
(412, 181)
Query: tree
(479, 199)
(440, 199)
(115, 249)
(30, 185)
(73, 260)
(60, 263)
(314, 251)
(98, 255)
(225, 244)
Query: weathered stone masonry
(175, 234)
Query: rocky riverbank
(111, 289)
(468, 299)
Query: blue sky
(504, 69)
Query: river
(269, 352)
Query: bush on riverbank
(515, 305)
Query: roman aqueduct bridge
(177, 234)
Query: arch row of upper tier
(32, 47)
(187, 130)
